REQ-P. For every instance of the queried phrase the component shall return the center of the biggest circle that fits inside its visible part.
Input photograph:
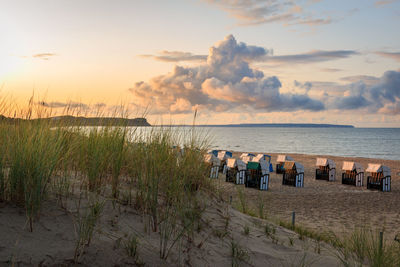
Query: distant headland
(286, 125)
(86, 121)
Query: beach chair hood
(284, 158)
(258, 157)
(325, 162)
(223, 155)
(231, 163)
(242, 166)
(213, 151)
(378, 168)
(294, 165)
(299, 167)
(210, 158)
(264, 166)
(352, 166)
(253, 165)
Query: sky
(230, 61)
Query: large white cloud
(224, 82)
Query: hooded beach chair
(326, 169)
(236, 171)
(353, 173)
(380, 178)
(214, 164)
(257, 174)
(293, 174)
(223, 156)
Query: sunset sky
(234, 61)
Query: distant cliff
(302, 125)
(285, 125)
(95, 121)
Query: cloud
(226, 81)
(312, 21)
(384, 2)
(330, 70)
(392, 55)
(44, 56)
(353, 98)
(306, 86)
(259, 54)
(175, 56)
(56, 105)
(382, 95)
(391, 109)
(254, 12)
(368, 94)
(363, 78)
(312, 57)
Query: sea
(380, 143)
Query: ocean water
(382, 143)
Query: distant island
(86, 121)
(286, 125)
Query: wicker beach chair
(326, 169)
(293, 174)
(257, 174)
(380, 178)
(353, 173)
(213, 164)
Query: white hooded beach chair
(214, 164)
(326, 169)
(280, 163)
(223, 156)
(353, 173)
(293, 174)
(236, 171)
(257, 174)
(380, 178)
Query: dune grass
(158, 171)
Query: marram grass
(160, 169)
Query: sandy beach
(330, 206)
(320, 205)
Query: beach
(320, 206)
(329, 206)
